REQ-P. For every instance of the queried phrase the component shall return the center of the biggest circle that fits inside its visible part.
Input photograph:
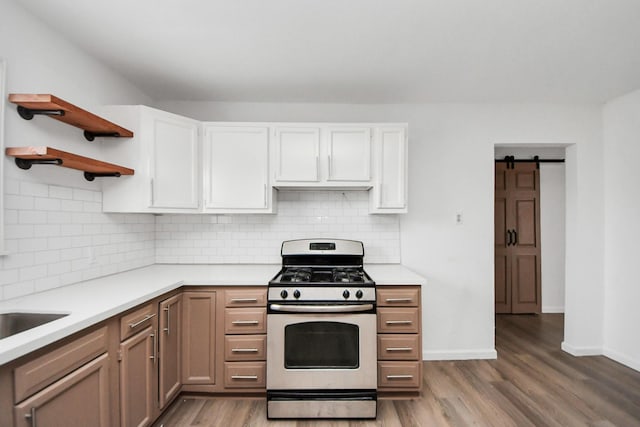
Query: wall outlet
(459, 218)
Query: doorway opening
(529, 231)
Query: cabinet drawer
(246, 298)
(400, 297)
(245, 347)
(399, 347)
(136, 321)
(245, 320)
(43, 371)
(399, 374)
(398, 320)
(244, 374)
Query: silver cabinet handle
(317, 167)
(245, 322)
(398, 300)
(265, 195)
(154, 356)
(399, 377)
(168, 310)
(244, 300)
(399, 349)
(244, 377)
(398, 322)
(140, 322)
(244, 350)
(330, 166)
(31, 416)
(321, 308)
(153, 201)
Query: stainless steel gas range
(321, 333)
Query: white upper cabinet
(321, 155)
(236, 168)
(164, 153)
(296, 154)
(349, 154)
(389, 192)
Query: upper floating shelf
(56, 108)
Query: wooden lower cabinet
(199, 338)
(80, 398)
(399, 340)
(170, 351)
(138, 380)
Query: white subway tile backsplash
(55, 236)
(257, 238)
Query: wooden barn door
(517, 238)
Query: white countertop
(96, 300)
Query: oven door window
(318, 345)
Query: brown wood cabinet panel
(245, 374)
(199, 337)
(398, 297)
(138, 387)
(245, 298)
(170, 334)
(245, 320)
(245, 347)
(398, 320)
(399, 347)
(399, 374)
(45, 370)
(78, 399)
(137, 320)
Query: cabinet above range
(186, 166)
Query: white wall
(552, 216)
(55, 231)
(622, 229)
(451, 150)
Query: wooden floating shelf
(27, 156)
(56, 108)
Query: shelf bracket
(90, 176)
(90, 136)
(28, 113)
(26, 163)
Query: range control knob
(359, 294)
(284, 294)
(296, 294)
(346, 294)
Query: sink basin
(13, 323)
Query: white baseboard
(622, 358)
(459, 354)
(552, 309)
(581, 351)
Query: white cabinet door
(390, 188)
(236, 168)
(297, 154)
(174, 162)
(349, 153)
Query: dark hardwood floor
(532, 383)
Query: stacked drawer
(399, 338)
(245, 327)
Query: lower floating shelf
(27, 156)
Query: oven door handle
(321, 308)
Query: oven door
(321, 351)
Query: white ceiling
(361, 51)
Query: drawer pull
(398, 322)
(244, 350)
(399, 377)
(398, 300)
(244, 377)
(245, 322)
(244, 299)
(140, 322)
(399, 349)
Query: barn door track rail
(511, 161)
